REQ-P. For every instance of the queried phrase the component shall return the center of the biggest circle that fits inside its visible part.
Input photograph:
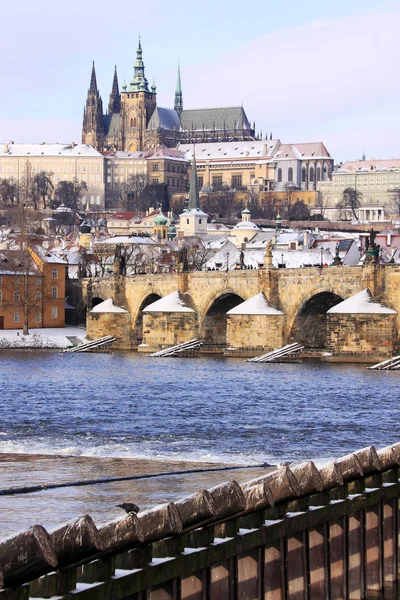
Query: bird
(129, 507)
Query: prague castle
(133, 121)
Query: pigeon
(129, 507)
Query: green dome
(160, 219)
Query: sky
(304, 71)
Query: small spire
(93, 81)
(178, 104)
(194, 197)
(114, 105)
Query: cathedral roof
(164, 118)
(111, 124)
(220, 119)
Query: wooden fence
(302, 533)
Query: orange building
(32, 289)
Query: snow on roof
(361, 303)
(171, 303)
(193, 211)
(47, 256)
(48, 150)
(246, 226)
(257, 305)
(108, 307)
(229, 150)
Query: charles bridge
(303, 295)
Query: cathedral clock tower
(137, 105)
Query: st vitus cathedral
(134, 121)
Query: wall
(372, 335)
(116, 324)
(261, 332)
(161, 330)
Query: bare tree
(44, 185)
(321, 204)
(29, 191)
(198, 254)
(352, 200)
(394, 205)
(9, 191)
(69, 193)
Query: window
(200, 182)
(217, 181)
(54, 292)
(199, 221)
(290, 174)
(311, 173)
(54, 273)
(1, 280)
(16, 317)
(37, 296)
(38, 281)
(17, 296)
(318, 174)
(37, 318)
(54, 312)
(155, 166)
(187, 221)
(1, 296)
(236, 181)
(155, 180)
(279, 174)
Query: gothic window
(303, 175)
(311, 173)
(131, 125)
(290, 174)
(279, 174)
(325, 173)
(318, 174)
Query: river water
(123, 414)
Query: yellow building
(373, 178)
(65, 162)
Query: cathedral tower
(178, 105)
(92, 127)
(137, 105)
(114, 105)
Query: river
(106, 415)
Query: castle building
(134, 122)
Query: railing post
(318, 562)
(389, 534)
(296, 571)
(373, 565)
(274, 583)
(355, 554)
(337, 559)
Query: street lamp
(227, 261)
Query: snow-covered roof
(47, 256)
(229, 150)
(48, 150)
(127, 239)
(361, 303)
(292, 259)
(246, 226)
(108, 307)
(171, 303)
(257, 305)
(193, 211)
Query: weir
(305, 532)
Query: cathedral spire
(178, 105)
(194, 197)
(93, 81)
(139, 81)
(114, 105)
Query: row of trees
(37, 191)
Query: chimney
(6, 149)
(72, 144)
(305, 240)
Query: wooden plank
(355, 550)
(373, 570)
(249, 575)
(317, 562)
(195, 586)
(296, 568)
(389, 529)
(274, 585)
(337, 563)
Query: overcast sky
(305, 71)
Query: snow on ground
(41, 338)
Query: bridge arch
(213, 324)
(308, 325)
(138, 322)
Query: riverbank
(53, 507)
(43, 338)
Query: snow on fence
(278, 354)
(302, 532)
(94, 345)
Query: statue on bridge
(268, 256)
(372, 250)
